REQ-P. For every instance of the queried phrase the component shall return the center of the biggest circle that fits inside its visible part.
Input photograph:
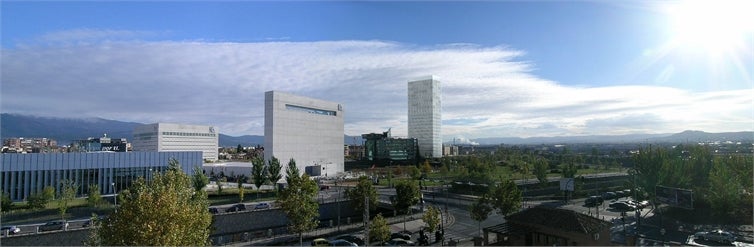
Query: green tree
(480, 210)
(298, 201)
(36, 201)
(431, 217)
(258, 173)
(407, 195)
(426, 168)
(239, 149)
(416, 174)
(95, 197)
(239, 182)
(6, 204)
(379, 230)
(540, 170)
(274, 168)
(724, 192)
(48, 193)
(569, 170)
(505, 197)
(357, 193)
(199, 180)
(167, 211)
(220, 183)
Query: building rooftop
(560, 219)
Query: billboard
(675, 197)
(566, 184)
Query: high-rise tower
(424, 115)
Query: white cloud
(487, 91)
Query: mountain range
(65, 130)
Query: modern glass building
(306, 129)
(25, 174)
(424, 115)
(384, 149)
(161, 137)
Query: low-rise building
(542, 226)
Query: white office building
(159, 137)
(308, 130)
(424, 115)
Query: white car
(10, 230)
(717, 236)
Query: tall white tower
(424, 115)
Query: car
(341, 242)
(639, 204)
(619, 194)
(593, 201)
(324, 187)
(627, 192)
(643, 204)
(241, 207)
(401, 235)
(320, 242)
(214, 211)
(608, 195)
(10, 230)
(622, 206)
(262, 205)
(54, 226)
(399, 242)
(351, 238)
(719, 236)
(231, 209)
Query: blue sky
(566, 68)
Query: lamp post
(115, 196)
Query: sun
(714, 27)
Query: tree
(67, 194)
(407, 195)
(431, 217)
(298, 201)
(258, 173)
(220, 184)
(357, 193)
(379, 230)
(426, 168)
(540, 170)
(167, 211)
(95, 198)
(239, 149)
(569, 170)
(36, 201)
(480, 210)
(48, 193)
(416, 174)
(505, 197)
(239, 181)
(199, 180)
(6, 204)
(274, 168)
(724, 191)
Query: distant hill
(65, 130)
(683, 137)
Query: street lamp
(115, 196)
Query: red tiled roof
(560, 219)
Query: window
(310, 110)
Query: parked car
(401, 235)
(10, 230)
(351, 238)
(262, 205)
(593, 201)
(241, 207)
(231, 209)
(644, 204)
(622, 206)
(719, 236)
(619, 194)
(320, 242)
(638, 204)
(341, 242)
(54, 226)
(627, 193)
(399, 242)
(608, 195)
(214, 211)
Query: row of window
(187, 134)
(310, 110)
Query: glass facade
(381, 147)
(424, 115)
(25, 174)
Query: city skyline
(509, 69)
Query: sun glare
(712, 26)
